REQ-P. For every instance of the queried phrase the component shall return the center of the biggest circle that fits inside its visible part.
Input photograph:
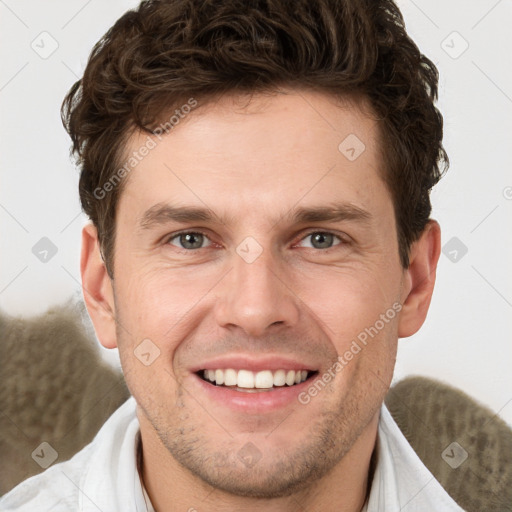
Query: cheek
(158, 299)
(348, 301)
(163, 306)
(358, 311)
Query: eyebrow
(163, 213)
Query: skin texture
(252, 164)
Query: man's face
(258, 289)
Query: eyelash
(342, 240)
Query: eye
(321, 240)
(190, 240)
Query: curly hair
(165, 51)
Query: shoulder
(401, 480)
(465, 445)
(53, 490)
(58, 489)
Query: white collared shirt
(401, 482)
(103, 475)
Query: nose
(256, 296)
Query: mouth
(247, 381)
(244, 383)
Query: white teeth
(264, 379)
(230, 377)
(280, 378)
(247, 379)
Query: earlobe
(97, 288)
(419, 280)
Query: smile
(246, 380)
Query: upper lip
(255, 364)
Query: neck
(172, 487)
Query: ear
(419, 280)
(97, 288)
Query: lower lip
(258, 402)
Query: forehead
(264, 154)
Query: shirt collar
(401, 481)
(114, 466)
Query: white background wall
(466, 339)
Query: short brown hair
(165, 51)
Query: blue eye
(190, 240)
(322, 240)
(193, 240)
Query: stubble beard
(329, 438)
